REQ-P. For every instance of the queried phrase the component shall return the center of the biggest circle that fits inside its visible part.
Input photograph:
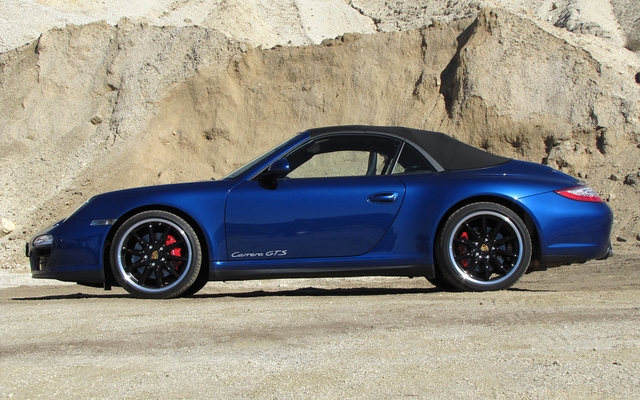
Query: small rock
(6, 226)
(630, 180)
(328, 42)
(350, 37)
(96, 120)
(614, 178)
(611, 197)
(621, 239)
(188, 21)
(638, 237)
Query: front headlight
(43, 240)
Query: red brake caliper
(177, 252)
(463, 249)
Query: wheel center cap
(154, 255)
(484, 248)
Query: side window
(412, 161)
(344, 155)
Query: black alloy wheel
(156, 255)
(483, 246)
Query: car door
(336, 202)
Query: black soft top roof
(451, 154)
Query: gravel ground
(569, 332)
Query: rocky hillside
(94, 99)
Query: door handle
(385, 197)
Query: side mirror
(279, 169)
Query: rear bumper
(609, 253)
(570, 231)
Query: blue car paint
(433, 196)
(570, 232)
(74, 257)
(203, 201)
(310, 218)
(248, 228)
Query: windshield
(256, 161)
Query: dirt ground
(568, 332)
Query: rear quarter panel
(565, 227)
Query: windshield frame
(258, 164)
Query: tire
(483, 246)
(441, 283)
(156, 255)
(200, 282)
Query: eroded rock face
(98, 107)
(627, 13)
(504, 84)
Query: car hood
(179, 196)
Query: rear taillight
(580, 193)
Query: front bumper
(74, 255)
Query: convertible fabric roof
(450, 153)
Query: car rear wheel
(156, 255)
(483, 246)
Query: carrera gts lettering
(271, 253)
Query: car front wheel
(156, 255)
(483, 246)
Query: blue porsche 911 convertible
(335, 202)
